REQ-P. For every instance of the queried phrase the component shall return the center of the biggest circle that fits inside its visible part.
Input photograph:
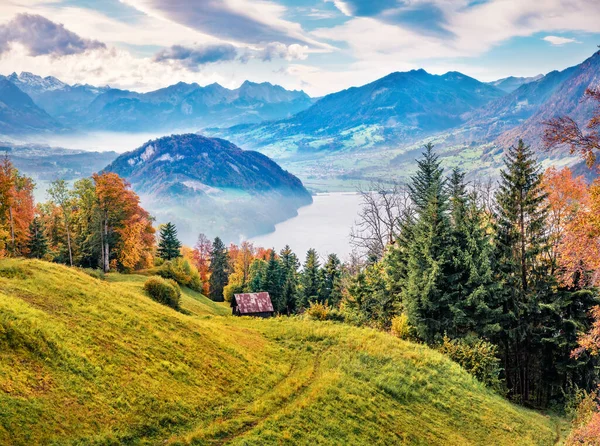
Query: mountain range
(403, 109)
(78, 107)
(212, 184)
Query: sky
(319, 46)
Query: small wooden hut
(252, 304)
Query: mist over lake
(324, 225)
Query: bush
(400, 327)
(164, 291)
(182, 272)
(586, 421)
(476, 356)
(317, 311)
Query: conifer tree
(331, 292)
(37, 243)
(311, 279)
(272, 282)
(523, 272)
(474, 294)
(168, 245)
(426, 297)
(219, 265)
(289, 278)
(256, 276)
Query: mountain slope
(400, 105)
(513, 109)
(97, 362)
(567, 99)
(224, 190)
(18, 112)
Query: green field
(88, 361)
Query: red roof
(248, 303)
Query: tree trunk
(106, 247)
(12, 230)
(69, 243)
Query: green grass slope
(84, 361)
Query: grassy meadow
(86, 361)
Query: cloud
(365, 8)
(558, 41)
(193, 58)
(278, 50)
(43, 37)
(247, 21)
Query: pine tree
(311, 279)
(219, 265)
(168, 245)
(523, 272)
(289, 278)
(331, 292)
(38, 243)
(426, 297)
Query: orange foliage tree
(126, 231)
(564, 131)
(201, 259)
(16, 209)
(572, 239)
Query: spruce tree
(311, 279)
(168, 245)
(37, 243)
(426, 297)
(219, 274)
(272, 282)
(331, 292)
(523, 272)
(473, 292)
(289, 278)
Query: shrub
(586, 421)
(476, 356)
(181, 271)
(164, 291)
(317, 311)
(400, 327)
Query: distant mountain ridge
(401, 105)
(18, 112)
(511, 83)
(179, 106)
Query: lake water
(324, 225)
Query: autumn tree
(126, 232)
(16, 208)
(201, 258)
(564, 131)
(59, 194)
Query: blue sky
(320, 46)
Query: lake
(324, 225)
